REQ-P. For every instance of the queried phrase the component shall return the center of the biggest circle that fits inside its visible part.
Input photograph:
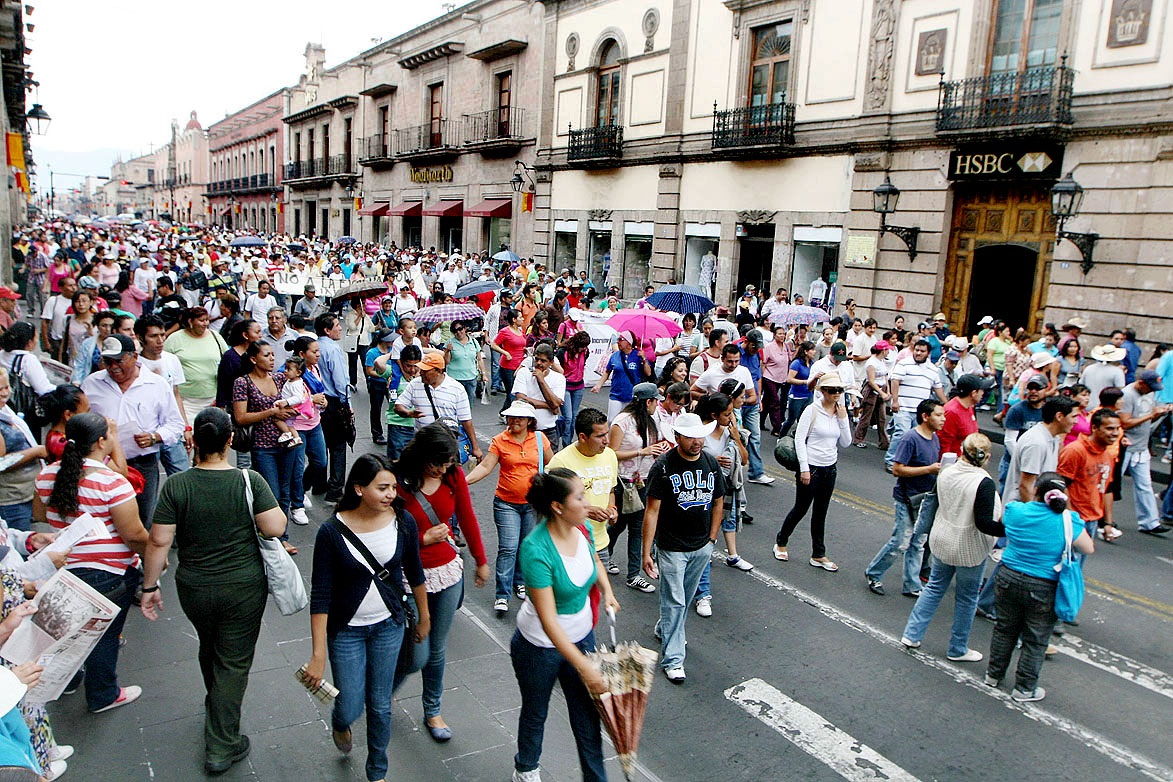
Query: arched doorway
(1000, 283)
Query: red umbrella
(628, 670)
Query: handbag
(285, 582)
(381, 572)
(630, 502)
(463, 444)
(24, 400)
(786, 454)
(1069, 590)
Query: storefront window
(500, 233)
(695, 250)
(816, 266)
(637, 265)
(600, 259)
(566, 250)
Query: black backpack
(24, 400)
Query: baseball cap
(117, 346)
(8, 293)
(1037, 382)
(953, 355)
(967, 384)
(387, 336)
(755, 337)
(882, 344)
(839, 349)
(432, 360)
(922, 326)
(645, 391)
(309, 287)
(1150, 379)
(690, 425)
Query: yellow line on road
(1140, 602)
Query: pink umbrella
(645, 324)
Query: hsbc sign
(1006, 162)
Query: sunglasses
(832, 390)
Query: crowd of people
(143, 367)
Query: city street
(798, 674)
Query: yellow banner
(15, 147)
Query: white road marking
(813, 734)
(1166, 560)
(1116, 664)
(1085, 736)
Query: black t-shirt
(686, 491)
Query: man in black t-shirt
(686, 499)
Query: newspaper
(71, 617)
(84, 526)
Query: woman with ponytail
(82, 483)
(1025, 584)
(220, 582)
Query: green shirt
(200, 359)
(216, 536)
(393, 418)
(543, 567)
(463, 365)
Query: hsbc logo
(1006, 163)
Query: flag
(527, 202)
(357, 203)
(15, 145)
(280, 207)
(22, 181)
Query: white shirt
(576, 626)
(56, 311)
(144, 279)
(405, 305)
(166, 366)
(31, 369)
(524, 382)
(825, 366)
(398, 345)
(258, 307)
(147, 406)
(382, 544)
(917, 382)
(711, 379)
(450, 279)
(819, 437)
(450, 398)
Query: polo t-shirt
(960, 422)
(450, 398)
(1089, 469)
(917, 382)
(519, 464)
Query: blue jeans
(969, 580)
(428, 656)
(363, 662)
(507, 384)
(276, 466)
(102, 665)
(174, 458)
(902, 420)
(751, 418)
(514, 521)
(1136, 464)
(680, 574)
(397, 439)
(704, 587)
(495, 370)
(313, 451)
(794, 410)
(148, 465)
(470, 390)
(571, 404)
(906, 539)
(536, 669)
(19, 515)
(1166, 506)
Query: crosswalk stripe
(1084, 735)
(1116, 664)
(813, 734)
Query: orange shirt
(528, 311)
(1089, 468)
(519, 464)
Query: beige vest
(955, 540)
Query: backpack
(24, 400)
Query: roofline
(276, 93)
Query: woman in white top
(822, 430)
(875, 397)
(20, 341)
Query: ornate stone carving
(755, 216)
(880, 53)
(599, 215)
(572, 41)
(669, 171)
(651, 23)
(872, 161)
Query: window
(770, 64)
(610, 73)
(296, 147)
(384, 128)
(325, 142)
(436, 114)
(504, 101)
(347, 140)
(1026, 35)
(309, 142)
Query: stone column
(543, 222)
(664, 240)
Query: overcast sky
(114, 73)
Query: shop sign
(1015, 161)
(860, 250)
(431, 174)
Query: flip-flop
(289, 548)
(781, 556)
(825, 564)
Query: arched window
(609, 79)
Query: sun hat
(1075, 323)
(985, 321)
(1108, 353)
(830, 380)
(689, 425)
(1041, 359)
(520, 409)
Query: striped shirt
(450, 397)
(99, 490)
(917, 382)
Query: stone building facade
(748, 136)
(246, 156)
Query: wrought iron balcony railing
(502, 124)
(771, 125)
(439, 134)
(1038, 96)
(603, 142)
(377, 148)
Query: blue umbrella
(507, 255)
(346, 240)
(682, 299)
(476, 287)
(247, 241)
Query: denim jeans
(818, 492)
(174, 458)
(751, 418)
(311, 461)
(102, 665)
(704, 587)
(907, 540)
(969, 580)
(537, 669)
(571, 404)
(397, 439)
(1136, 464)
(794, 408)
(902, 420)
(514, 521)
(276, 466)
(507, 384)
(470, 390)
(680, 574)
(987, 595)
(495, 370)
(363, 662)
(148, 465)
(1026, 609)
(378, 394)
(634, 524)
(428, 656)
(1166, 506)
(19, 515)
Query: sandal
(781, 554)
(825, 564)
(290, 549)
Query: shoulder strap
(430, 513)
(248, 495)
(382, 572)
(432, 401)
(541, 455)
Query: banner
(602, 345)
(293, 283)
(15, 149)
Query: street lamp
(884, 200)
(38, 120)
(1066, 200)
(520, 176)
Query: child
(406, 337)
(400, 429)
(295, 395)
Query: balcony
(436, 141)
(255, 183)
(753, 129)
(599, 146)
(497, 132)
(376, 151)
(1009, 104)
(320, 170)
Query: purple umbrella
(440, 313)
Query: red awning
(446, 209)
(407, 209)
(375, 210)
(491, 207)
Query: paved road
(799, 673)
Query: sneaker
(125, 695)
(307, 502)
(970, 656)
(527, 776)
(860, 445)
(501, 605)
(909, 644)
(60, 752)
(1037, 694)
(1160, 529)
(763, 480)
(913, 595)
(704, 607)
(675, 675)
(519, 590)
(876, 587)
(56, 769)
(613, 568)
(298, 516)
(990, 681)
(641, 584)
(781, 554)
(746, 518)
(738, 563)
(1166, 459)
(214, 767)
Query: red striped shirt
(99, 490)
